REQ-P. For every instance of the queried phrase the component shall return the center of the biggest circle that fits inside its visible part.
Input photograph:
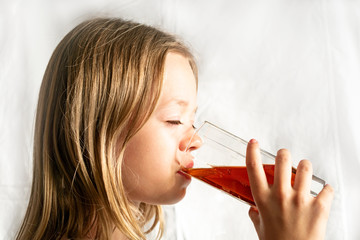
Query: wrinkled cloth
(284, 72)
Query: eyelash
(177, 122)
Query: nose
(191, 142)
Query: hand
(283, 211)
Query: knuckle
(280, 194)
(329, 189)
(280, 199)
(299, 200)
(251, 165)
(320, 206)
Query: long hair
(101, 85)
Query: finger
(282, 175)
(255, 170)
(254, 216)
(303, 176)
(324, 199)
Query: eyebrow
(184, 103)
(181, 103)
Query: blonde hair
(101, 85)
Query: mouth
(185, 175)
(187, 162)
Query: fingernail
(253, 140)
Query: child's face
(155, 154)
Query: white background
(285, 72)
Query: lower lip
(186, 176)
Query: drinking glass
(220, 162)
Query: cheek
(149, 163)
(144, 150)
(136, 156)
(147, 157)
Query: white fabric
(284, 72)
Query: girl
(115, 114)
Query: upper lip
(186, 160)
(189, 164)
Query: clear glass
(220, 162)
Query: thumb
(254, 216)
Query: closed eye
(174, 122)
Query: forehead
(179, 83)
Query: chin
(172, 199)
(179, 198)
(166, 196)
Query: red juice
(233, 180)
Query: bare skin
(284, 211)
